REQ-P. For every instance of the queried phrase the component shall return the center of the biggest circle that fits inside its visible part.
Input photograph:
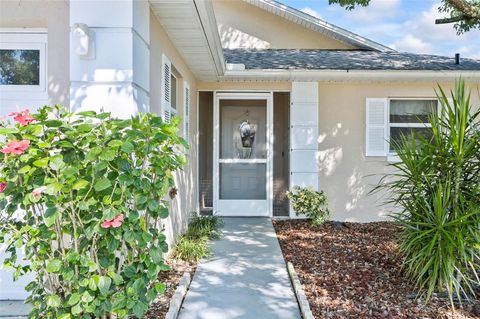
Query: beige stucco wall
(345, 171)
(186, 201)
(243, 25)
(54, 16)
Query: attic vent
(235, 66)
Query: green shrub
(204, 226)
(309, 202)
(437, 188)
(193, 245)
(192, 249)
(83, 194)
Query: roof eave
(350, 75)
(209, 23)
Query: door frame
(268, 96)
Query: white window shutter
(166, 88)
(376, 143)
(186, 115)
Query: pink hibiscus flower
(39, 191)
(115, 222)
(15, 147)
(23, 117)
(2, 187)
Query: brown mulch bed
(353, 272)
(171, 278)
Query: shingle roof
(317, 59)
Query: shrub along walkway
(245, 277)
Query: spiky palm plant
(436, 185)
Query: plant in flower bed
(313, 204)
(193, 245)
(436, 184)
(83, 195)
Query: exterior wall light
(83, 40)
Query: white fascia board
(209, 24)
(350, 75)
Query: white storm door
(243, 139)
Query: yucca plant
(436, 185)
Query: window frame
(26, 39)
(392, 155)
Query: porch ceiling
(189, 26)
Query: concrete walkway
(13, 309)
(245, 278)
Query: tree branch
(450, 20)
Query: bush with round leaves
(83, 195)
(307, 201)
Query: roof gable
(320, 26)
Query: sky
(404, 25)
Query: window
(23, 62)
(19, 67)
(409, 115)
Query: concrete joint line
(299, 293)
(178, 297)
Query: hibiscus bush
(83, 196)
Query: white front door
(243, 139)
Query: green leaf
(57, 163)
(50, 216)
(104, 284)
(43, 162)
(92, 282)
(108, 155)
(127, 147)
(87, 113)
(8, 130)
(24, 169)
(93, 153)
(54, 301)
(117, 279)
(74, 299)
(70, 171)
(156, 254)
(139, 309)
(80, 184)
(160, 287)
(115, 143)
(84, 128)
(141, 199)
(77, 309)
(54, 265)
(87, 297)
(53, 123)
(102, 184)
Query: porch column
(303, 136)
(110, 56)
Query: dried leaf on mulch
(171, 278)
(354, 272)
